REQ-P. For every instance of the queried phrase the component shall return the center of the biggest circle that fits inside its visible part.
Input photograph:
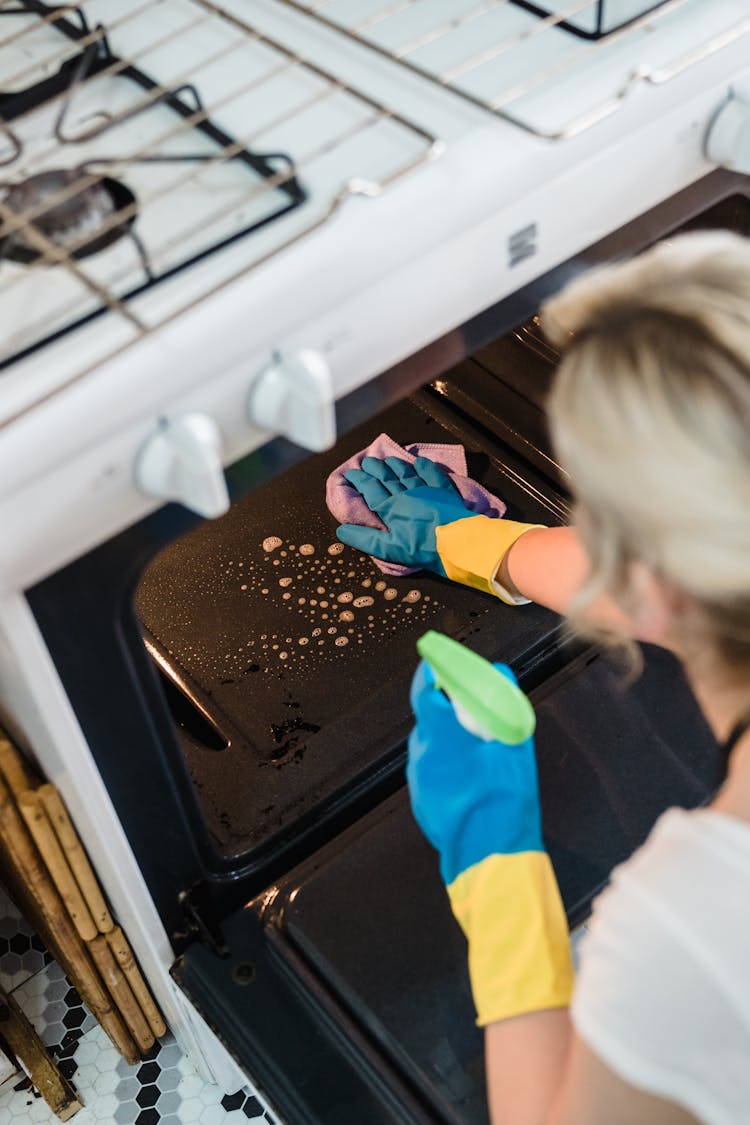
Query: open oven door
(343, 991)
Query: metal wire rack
(440, 42)
(121, 178)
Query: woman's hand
(412, 501)
(478, 804)
(428, 524)
(471, 798)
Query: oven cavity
(299, 651)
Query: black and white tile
(163, 1089)
(21, 952)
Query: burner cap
(79, 218)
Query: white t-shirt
(663, 991)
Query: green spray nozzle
(485, 701)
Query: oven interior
(294, 653)
(268, 708)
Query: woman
(651, 417)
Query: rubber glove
(478, 804)
(428, 525)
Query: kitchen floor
(164, 1089)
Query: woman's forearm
(549, 565)
(525, 1058)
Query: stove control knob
(293, 396)
(728, 137)
(182, 461)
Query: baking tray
(282, 705)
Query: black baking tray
(275, 731)
(361, 937)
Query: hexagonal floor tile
(191, 1110)
(21, 952)
(106, 1083)
(168, 1103)
(163, 1089)
(56, 990)
(213, 1115)
(169, 1079)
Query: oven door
(344, 991)
(249, 723)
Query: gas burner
(78, 222)
(78, 122)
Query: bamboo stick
(28, 1048)
(118, 943)
(121, 993)
(33, 812)
(87, 880)
(13, 767)
(55, 927)
(76, 857)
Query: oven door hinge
(199, 916)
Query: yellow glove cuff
(510, 910)
(472, 549)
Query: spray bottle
(485, 702)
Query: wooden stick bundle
(76, 857)
(121, 993)
(123, 954)
(57, 931)
(33, 812)
(49, 871)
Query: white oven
(230, 232)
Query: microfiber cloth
(347, 506)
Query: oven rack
(82, 33)
(506, 103)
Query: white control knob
(728, 137)
(182, 461)
(293, 396)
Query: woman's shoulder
(663, 992)
(692, 860)
(684, 894)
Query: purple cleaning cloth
(347, 506)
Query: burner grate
(122, 180)
(517, 59)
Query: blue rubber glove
(428, 524)
(412, 501)
(470, 798)
(478, 804)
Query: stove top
(113, 166)
(191, 188)
(123, 180)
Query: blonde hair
(650, 414)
